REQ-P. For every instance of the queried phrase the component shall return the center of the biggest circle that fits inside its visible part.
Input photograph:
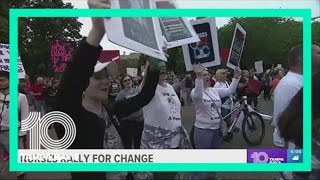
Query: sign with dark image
(202, 52)
(237, 45)
(237, 48)
(139, 29)
(177, 31)
(206, 50)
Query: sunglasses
(163, 72)
(126, 80)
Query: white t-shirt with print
(163, 111)
(206, 115)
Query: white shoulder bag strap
(223, 124)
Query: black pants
(252, 98)
(130, 133)
(267, 90)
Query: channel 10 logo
(260, 157)
(39, 130)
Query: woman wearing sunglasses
(130, 126)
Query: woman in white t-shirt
(207, 126)
(162, 121)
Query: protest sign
(258, 66)
(132, 72)
(177, 31)
(206, 51)
(5, 61)
(279, 65)
(239, 37)
(61, 54)
(139, 34)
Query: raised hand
(197, 69)
(237, 73)
(97, 31)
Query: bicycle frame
(243, 108)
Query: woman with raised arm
(84, 87)
(162, 121)
(207, 134)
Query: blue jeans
(206, 139)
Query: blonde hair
(219, 75)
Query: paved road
(188, 117)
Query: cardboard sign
(139, 33)
(206, 51)
(239, 37)
(61, 54)
(5, 61)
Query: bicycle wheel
(253, 129)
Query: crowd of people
(145, 112)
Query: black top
(91, 128)
(189, 83)
(50, 95)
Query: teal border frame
(16, 13)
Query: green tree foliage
(316, 32)
(37, 34)
(268, 39)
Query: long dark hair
(290, 123)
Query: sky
(314, 5)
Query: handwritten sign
(132, 72)
(5, 61)
(61, 54)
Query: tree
(316, 32)
(37, 34)
(176, 61)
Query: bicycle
(252, 122)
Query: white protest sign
(132, 72)
(206, 51)
(5, 61)
(258, 66)
(141, 34)
(176, 31)
(239, 38)
(279, 65)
